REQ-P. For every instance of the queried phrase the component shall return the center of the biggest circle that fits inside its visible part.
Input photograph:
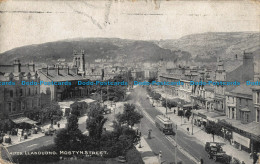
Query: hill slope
(206, 47)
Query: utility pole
(175, 152)
(101, 98)
(192, 120)
(140, 146)
(165, 100)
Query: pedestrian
(255, 157)
(58, 125)
(201, 161)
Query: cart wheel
(209, 156)
(215, 158)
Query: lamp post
(175, 152)
(140, 134)
(192, 120)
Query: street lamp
(175, 152)
(192, 120)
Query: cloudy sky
(33, 22)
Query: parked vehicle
(49, 131)
(164, 124)
(214, 150)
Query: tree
(70, 138)
(170, 103)
(151, 79)
(95, 121)
(72, 123)
(188, 114)
(95, 126)
(129, 116)
(213, 129)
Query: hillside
(94, 48)
(206, 47)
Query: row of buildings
(61, 82)
(235, 107)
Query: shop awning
(251, 128)
(187, 106)
(24, 119)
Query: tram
(164, 124)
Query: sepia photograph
(130, 81)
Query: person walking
(201, 161)
(255, 157)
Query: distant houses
(235, 107)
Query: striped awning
(23, 119)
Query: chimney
(17, 66)
(68, 70)
(31, 67)
(47, 70)
(58, 70)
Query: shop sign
(241, 140)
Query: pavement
(147, 153)
(183, 124)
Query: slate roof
(62, 76)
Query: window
(257, 115)
(10, 107)
(14, 107)
(21, 92)
(257, 97)
(22, 105)
(29, 91)
(36, 90)
(247, 117)
(11, 93)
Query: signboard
(241, 140)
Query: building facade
(18, 99)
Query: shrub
(133, 157)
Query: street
(191, 149)
(187, 142)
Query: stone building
(62, 83)
(16, 99)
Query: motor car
(215, 150)
(121, 159)
(49, 131)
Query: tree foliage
(95, 121)
(129, 116)
(213, 128)
(170, 103)
(188, 114)
(70, 138)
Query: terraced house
(18, 100)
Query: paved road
(158, 142)
(186, 141)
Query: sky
(34, 22)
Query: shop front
(200, 119)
